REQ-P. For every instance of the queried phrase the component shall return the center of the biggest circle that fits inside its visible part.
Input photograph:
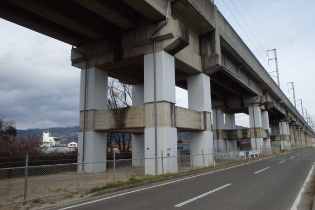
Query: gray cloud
(40, 89)
(38, 86)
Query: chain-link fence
(22, 184)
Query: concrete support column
(265, 126)
(92, 145)
(166, 132)
(137, 140)
(293, 136)
(199, 99)
(284, 133)
(255, 122)
(301, 136)
(230, 125)
(298, 136)
(218, 126)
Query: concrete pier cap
(197, 50)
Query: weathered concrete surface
(114, 36)
(134, 119)
(190, 120)
(241, 134)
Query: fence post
(162, 162)
(141, 161)
(192, 161)
(77, 181)
(114, 166)
(203, 158)
(178, 160)
(25, 179)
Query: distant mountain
(70, 134)
(240, 127)
(65, 135)
(183, 135)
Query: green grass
(134, 180)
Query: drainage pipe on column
(254, 127)
(254, 120)
(162, 25)
(85, 104)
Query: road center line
(261, 170)
(298, 198)
(202, 195)
(292, 157)
(282, 161)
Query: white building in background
(50, 141)
(73, 145)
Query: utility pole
(276, 61)
(301, 106)
(305, 115)
(292, 88)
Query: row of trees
(7, 129)
(14, 148)
(119, 96)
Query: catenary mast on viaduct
(155, 45)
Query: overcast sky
(40, 89)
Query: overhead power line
(257, 25)
(250, 40)
(263, 50)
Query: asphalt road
(271, 183)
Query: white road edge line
(292, 157)
(202, 195)
(261, 170)
(166, 183)
(146, 188)
(298, 198)
(282, 161)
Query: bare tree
(7, 129)
(119, 96)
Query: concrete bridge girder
(197, 50)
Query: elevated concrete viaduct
(196, 50)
